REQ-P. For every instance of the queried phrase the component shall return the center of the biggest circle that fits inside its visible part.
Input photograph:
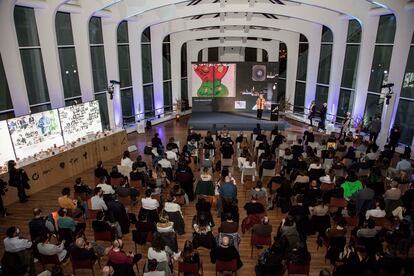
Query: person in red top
(117, 256)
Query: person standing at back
(374, 129)
(312, 112)
(260, 104)
(323, 112)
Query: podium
(274, 112)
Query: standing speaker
(259, 72)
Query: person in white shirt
(13, 243)
(126, 160)
(45, 247)
(159, 251)
(316, 164)
(164, 163)
(97, 202)
(148, 202)
(328, 178)
(171, 155)
(152, 267)
(378, 212)
(106, 188)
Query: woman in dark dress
(190, 255)
(19, 179)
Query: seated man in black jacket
(267, 164)
(82, 251)
(225, 253)
(101, 225)
(253, 207)
(227, 150)
(39, 226)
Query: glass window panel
(103, 108)
(100, 81)
(95, 30)
(69, 72)
(127, 102)
(380, 67)
(72, 101)
(345, 103)
(5, 102)
(282, 60)
(324, 69)
(354, 32)
(200, 56)
(213, 54)
(34, 76)
(63, 25)
(404, 118)
(281, 90)
(184, 89)
(349, 72)
(321, 96)
(122, 35)
(265, 56)
(303, 39)
(299, 100)
(327, 35)
(25, 23)
(166, 39)
(146, 35)
(386, 29)
(408, 83)
(184, 60)
(250, 54)
(373, 107)
(166, 61)
(149, 101)
(146, 63)
(303, 61)
(124, 66)
(7, 115)
(167, 96)
(40, 108)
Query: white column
(402, 41)
(204, 54)
(292, 46)
(313, 64)
(135, 33)
(273, 52)
(80, 29)
(109, 29)
(157, 74)
(366, 54)
(175, 67)
(45, 20)
(337, 64)
(10, 55)
(191, 57)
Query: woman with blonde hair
(403, 180)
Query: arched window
(31, 57)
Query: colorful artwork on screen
(34, 133)
(214, 80)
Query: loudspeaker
(274, 112)
(259, 72)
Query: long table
(57, 168)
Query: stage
(233, 121)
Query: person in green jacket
(351, 184)
(205, 185)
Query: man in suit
(260, 103)
(323, 112)
(264, 228)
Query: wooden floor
(47, 201)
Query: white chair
(358, 154)
(267, 172)
(240, 161)
(313, 145)
(254, 136)
(272, 138)
(256, 144)
(124, 170)
(327, 164)
(259, 152)
(248, 172)
(227, 162)
(291, 137)
(132, 148)
(363, 172)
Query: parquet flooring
(47, 201)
